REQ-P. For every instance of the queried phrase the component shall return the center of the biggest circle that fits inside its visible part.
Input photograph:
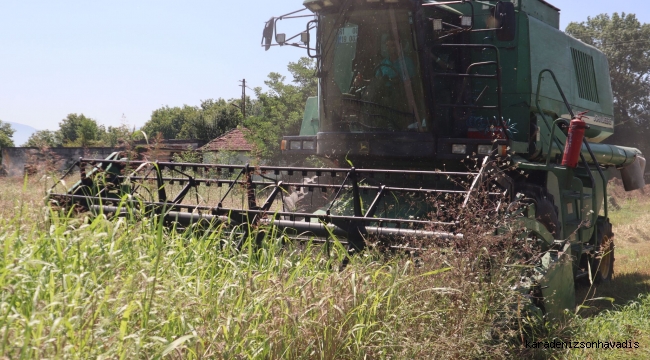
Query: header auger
(413, 89)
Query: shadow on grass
(623, 288)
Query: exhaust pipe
(633, 174)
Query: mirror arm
(309, 28)
(472, 6)
(275, 28)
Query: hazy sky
(109, 58)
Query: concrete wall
(16, 161)
(226, 157)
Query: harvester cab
(409, 92)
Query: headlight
(466, 21)
(295, 145)
(484, 149)
(308, 145)
(459, 149)
(437, 24)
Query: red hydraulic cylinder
(573, 146)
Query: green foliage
(188, 156)
(79, 131)
(43, 138)
(625, 42)
(6, 134)
(223, 157)
(281, 108)
(127, 288)
(629, 322)
(115, 135)
(210, 120)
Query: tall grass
(81, 287)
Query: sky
(117, 61)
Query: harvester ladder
(467, 75)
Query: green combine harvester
(408, 91)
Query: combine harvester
(408, 91)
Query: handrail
(548, 155)
(584, 141)
(539, 108)
(498, 76)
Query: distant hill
(22, 134)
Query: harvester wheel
(552, 290)
(546, 211)
(602, 264)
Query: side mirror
(304, 38)
(267, 34)
(504, 12)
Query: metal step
(576, 195)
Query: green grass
(629, 211)
(75, 287)
(625, 323)
(629, 317)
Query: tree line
(272, 114)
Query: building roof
(233, 140)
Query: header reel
(354, 204)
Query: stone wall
(17, 161)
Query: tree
(6, 135)
(78, 130)
(43, 138)
(166, 121)
(281, 108)
(626, 42)
(209, 120)
(115, 135)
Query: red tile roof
(233, 140)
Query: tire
(546, 211)
(602, 263)
(548, 215)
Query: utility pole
(243, 97)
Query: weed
(84, 287)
